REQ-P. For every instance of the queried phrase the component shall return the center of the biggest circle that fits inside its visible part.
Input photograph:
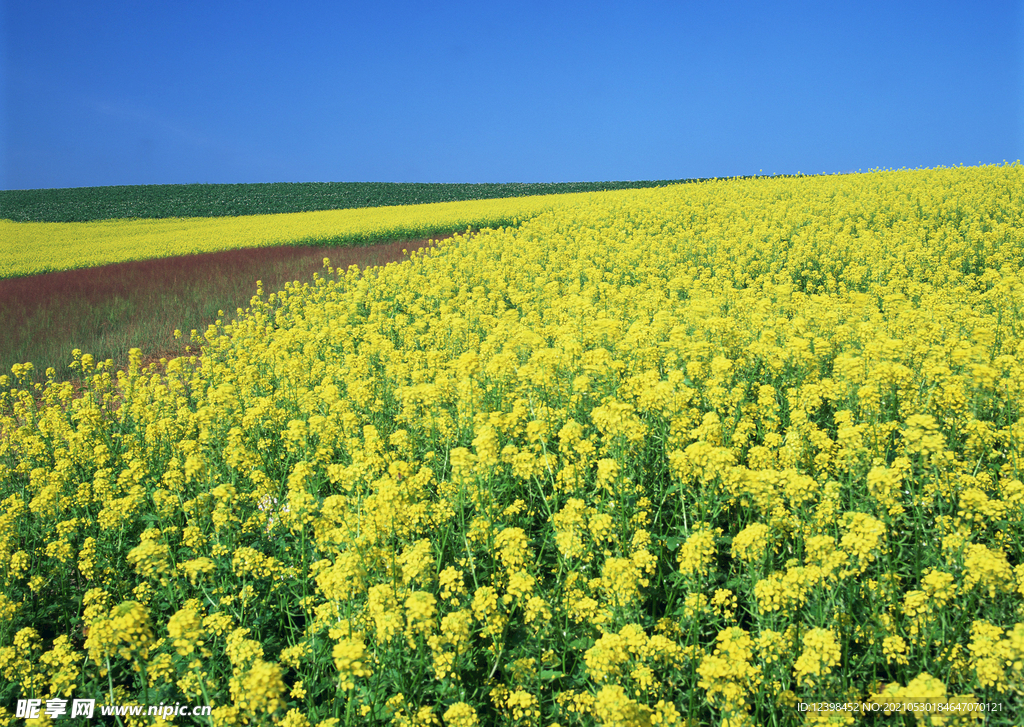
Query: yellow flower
(461, 714)
(125, 631)
(614, 708)
(242, 651)
(294, 655)
(523, 705)
(295, 718)
(513, 548)
(724, 603)
(420, 608)
(989, 568)
(185, 628)
(260, 689)
(605, 658)
(751, 543)
(864, 539)
(727, 674)
(417, 562)
(452, 584)
(150, 558)
(569, 524)
(349, 659)
(820, 654)
(697, 553)
(895, 649)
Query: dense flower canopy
(711, 450)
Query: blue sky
(156, 92)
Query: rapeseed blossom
(820, 654)
(697, 453)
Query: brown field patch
(107, 310)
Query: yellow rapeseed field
(730, 453)
(28, 248)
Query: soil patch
(23, 298)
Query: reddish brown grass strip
(142, 302)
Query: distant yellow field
(28, 248)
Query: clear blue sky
(97, 92)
